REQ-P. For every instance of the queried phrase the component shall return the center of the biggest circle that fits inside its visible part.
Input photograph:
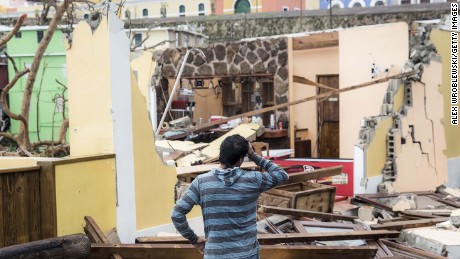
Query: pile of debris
(304, 215)
(188, 153)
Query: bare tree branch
(16, 28)
(7, 88)
(62, 131)
(142, 42)
(45, 143)
(23, 136)
(8, 136)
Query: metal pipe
(171, 95)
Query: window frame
(201, 12)
(145, 12)
(182, 12)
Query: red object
(179, 104)
(342, 189)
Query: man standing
(228, 198)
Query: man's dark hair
(232, 149)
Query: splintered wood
(211, 152)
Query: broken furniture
(298, 193)
(304, 195)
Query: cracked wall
(403, 147)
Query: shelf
(269, 133)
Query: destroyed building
(388, 120)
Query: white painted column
(120, 78)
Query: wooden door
(328, 119)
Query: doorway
(328, 119)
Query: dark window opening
(145, 12)
(201, 9)
(18, 34)
(182, 10)
(137, 39)
(39, 36)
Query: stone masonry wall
(233, 27)
(261, 56)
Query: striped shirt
(228, 200)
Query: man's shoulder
(206, 175)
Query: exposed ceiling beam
(314, 41)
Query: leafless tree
(22, 138)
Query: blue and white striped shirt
(228, 200)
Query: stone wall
(267, 56)
(233, 27)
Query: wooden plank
(316, 40)
(269, 239)
(19, 169)
(72, 246)
(284, 105)
(306, 81)
(184, 146)
(313, 175)
(13, 213)
(162, 240)
(305, 213)
(162, 251)
(409, 224)
(48, 200)
(173, 155)
(63, 161)
(94, 234)
(197, 169)
(411, 250)
(33, 203)
(275, 133)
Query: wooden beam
(306, 81)
(96, 235)
(71, 246)
(271, 239)
(305, 213)
(409, 224)
(284, 105)
(48, 200)
(313, 175)
(395, 246)
(317, 40)
(177, 240)
(19, 169)
(93, 231)
(162, 251)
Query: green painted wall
(52, 67)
